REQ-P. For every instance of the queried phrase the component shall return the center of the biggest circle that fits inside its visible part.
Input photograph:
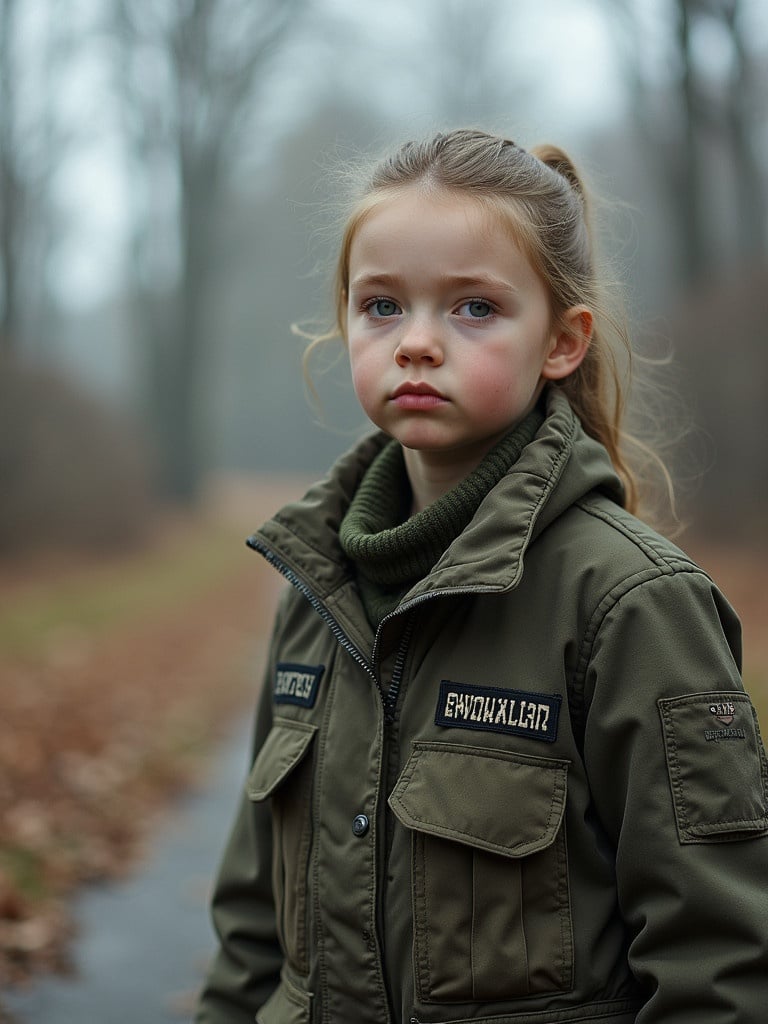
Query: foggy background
(166, 214)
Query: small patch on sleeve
(717, 767)
(494, 709)
(297, 684)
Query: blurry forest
(164, 219)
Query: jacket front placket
(347, 975)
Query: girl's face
(449, 328)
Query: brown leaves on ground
(99, 728)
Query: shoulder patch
(297, 684)
(494, 709)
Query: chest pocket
(491, 905)
(282, 772)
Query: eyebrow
(479, 281)
(374, 280)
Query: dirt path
(143, 943)
(108, 710)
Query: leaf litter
(102, 727)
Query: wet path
(143, 944)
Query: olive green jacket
(536, 795)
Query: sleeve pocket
(717, 767)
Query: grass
(27, 870)
(116, 594)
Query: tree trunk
(688, 169)
(10, 197)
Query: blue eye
(382, 308)
(477, 309)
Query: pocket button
(360, 826)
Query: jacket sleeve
(246, 967)
(678, 775)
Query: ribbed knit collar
(390, 552)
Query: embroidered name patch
(297, 684)
(516, 712)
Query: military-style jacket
(537, 795)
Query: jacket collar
(488, 557)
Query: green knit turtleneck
(392, 552)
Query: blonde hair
(542, 197)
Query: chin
(428, 443)
(419, 436)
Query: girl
(505, 769)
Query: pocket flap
(284, 748)
(507, 803)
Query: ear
(569, 344)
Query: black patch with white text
(515, 712)
(297, 684)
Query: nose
(420, 343)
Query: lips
(417, 396)
(418, 388)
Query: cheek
(494, 383)
(364, 370)
(501, 386)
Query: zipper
(393, 690)
(295, 580)
(389, 696)
(341, 637)
(415, 601)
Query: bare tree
(705, 111)
(746, 114)
(10, 185)
(16, 189)
(193, 72)
(34, 140)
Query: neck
(391, 548)
(432, 474)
